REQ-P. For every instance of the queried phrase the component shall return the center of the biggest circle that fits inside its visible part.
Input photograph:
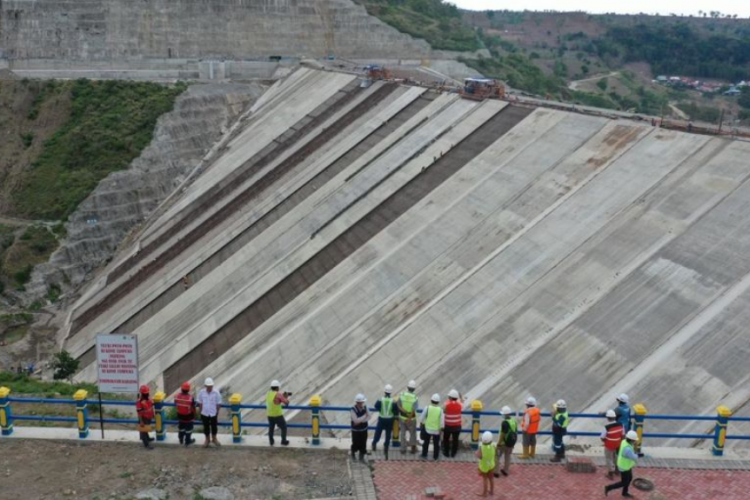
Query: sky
(665, 7)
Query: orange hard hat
(186, 386)
(145, 389)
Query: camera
(287, 394)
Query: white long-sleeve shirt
(423, 417)
(209, 402)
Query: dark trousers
(558, 445)
(359, 443)
(210, 425)
(435, 438)
(625, 479)
(384, 425)
(185, 428)
(274, 422)
(145, 436)
(451, 437)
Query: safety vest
(432, 420)
(614, 436)
(453, 411)
(512, 435)
(145, 408)
(359, 412)
(624, 463)
(534, 416)
(562, 419)
(386, 407)
(487, 462)
(407, 400)
(184, 404)
(273, 409)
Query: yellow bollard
(82, 413)
(315, 403)
(6, 419)
(476, 407)
(234, 404)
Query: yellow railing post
(476, 408)
(315, 402)
(720, 431)
(640, 417)
(6, 419)
(159, 419)
(82, 413)
(234, 403)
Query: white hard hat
(435, 398)
(506, 410)
(360, 398)
(531, 401)
(388, 389)
(486, 437)
(561, 403)
(623, 398)
(275, 383)
(611, 414)
(209, 382)
(632, 435)
(453, 394)
(411, 385)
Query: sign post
(117, 366)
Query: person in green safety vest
(560, 422)
(385, 408)
(275, 403)
(486, 455)
(626, 460)
(432, 422)
(506, 441)
(408, 404)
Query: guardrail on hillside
(80, 401)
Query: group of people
(207, 405)
(433, 422)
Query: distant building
(733, 91)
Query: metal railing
(476, 412)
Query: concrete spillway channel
(382, 234)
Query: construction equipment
(377, 72)
(482, 88)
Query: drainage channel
(341, 247)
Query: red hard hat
(145, 389)
(186, 386)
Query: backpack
(511, 437)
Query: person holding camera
(276, 401)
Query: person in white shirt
(209, 402)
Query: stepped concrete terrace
(346, 237)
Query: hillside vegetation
(110, 123)
(543, 52)
(440, 24)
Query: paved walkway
(407, 480)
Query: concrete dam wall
(349, 237)
(117, 30)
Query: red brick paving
(398, 480)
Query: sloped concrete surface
(396, 233)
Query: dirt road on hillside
(46, 470)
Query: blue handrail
(474, 414)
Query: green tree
(65, 366)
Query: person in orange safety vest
(145, 409)
(530, 426)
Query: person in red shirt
(452, 431)
(185, 404)
(145, 409)
(612, 436)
